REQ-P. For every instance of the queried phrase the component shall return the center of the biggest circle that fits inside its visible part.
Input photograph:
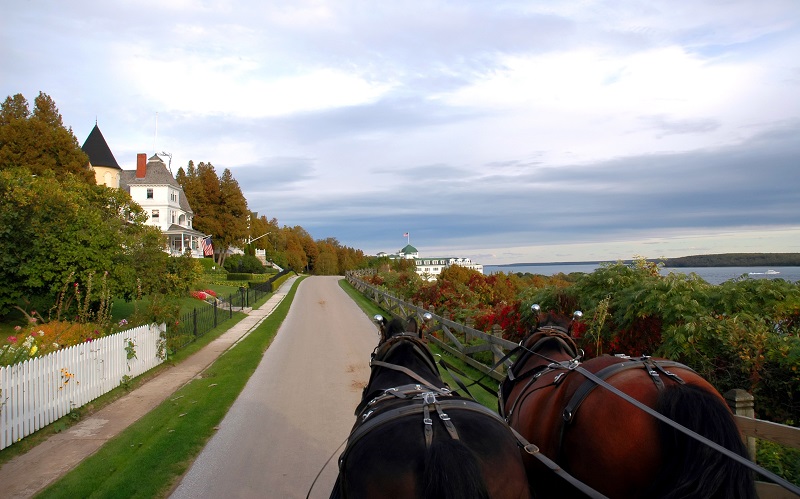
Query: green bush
(210, 266)
(236, 276)
(244, 264)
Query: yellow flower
(34, 348)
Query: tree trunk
(222, 254)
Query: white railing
(41, 390)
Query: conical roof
(98, 151)
(409, 250)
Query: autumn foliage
(739, 334)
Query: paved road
(296, 409)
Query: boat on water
(768, 272)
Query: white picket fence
(41, 390)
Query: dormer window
(150, 193)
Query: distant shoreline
(543, 264)
(718, 260)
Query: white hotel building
(430, 267)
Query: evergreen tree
(232, 214)
(38, 141)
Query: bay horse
(414, 438)
(606, 442)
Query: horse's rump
(622, 451)
(393, 460)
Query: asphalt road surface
(296, 409)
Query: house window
(155, 215)
(149, 193)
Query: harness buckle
(427, 421)
(444, 417)
(429, 398)
(531, 449)
(366, 415)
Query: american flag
(208, 249)
(405, 234)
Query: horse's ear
(412, 326)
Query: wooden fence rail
(41, 390)
(463, 341)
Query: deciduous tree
(220, 208)
(52, 231)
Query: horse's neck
(405, 355)
(544, 348)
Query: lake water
(712, 275)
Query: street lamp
(250, 239)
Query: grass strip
(148, 458)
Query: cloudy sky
(504, 131)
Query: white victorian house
(154, 188)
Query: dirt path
(297, 407)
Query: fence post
(497, 332)
(470, 323)
(742, 404)
(194, 322)
(215, 313)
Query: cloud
(502, 129)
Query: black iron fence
(202, 319)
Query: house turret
(101, 159)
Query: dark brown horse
(414, 438)
(608, 443)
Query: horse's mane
(554, 320)
(395, 327)
(552, 329)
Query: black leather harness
(423, 398)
